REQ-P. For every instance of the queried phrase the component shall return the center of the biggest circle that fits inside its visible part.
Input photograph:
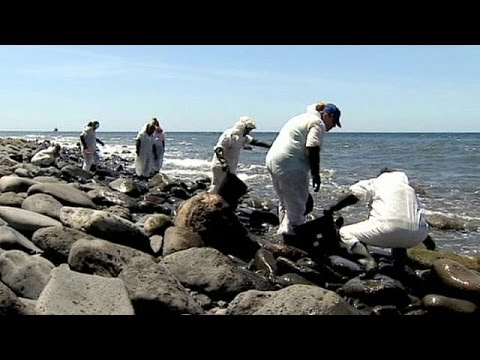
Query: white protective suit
(44, 157)
(287, 161)
(158, 140)
(90, 138)
(144, 158)
(395, 219)
(231, 141)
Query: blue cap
(334, 111)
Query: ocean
(445, 166)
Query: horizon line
(266, 131)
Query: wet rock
(74, 172)
(442, 304)
(444, 222)
(160, 180)
(259, 203)
(259, 217)
(239, 262)
(104, 196)
(421, 258)
(381, 254)
(125, 186)
(345, 266)
(265, 263)
(151, 207)
(292, 279)
(280, 249)
(381, 290)
(288, 266)
(456, 280)
(385, 310)
(179, 192)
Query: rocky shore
(73, 242)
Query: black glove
(225, 167)
(328, 212)
(429, 243)
(316, 182)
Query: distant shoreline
(257, 132)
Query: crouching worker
(395, 219)
(46, 157)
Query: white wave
(253, 167)
(245, 177)
(177, 172)
(121, 150)
(471, 221)
(188, 163)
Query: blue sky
(378, 88)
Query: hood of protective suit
(143, 130)
(87, 127)
(395, 177)
(242, 124)
(312, 108)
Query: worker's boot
(365, 258)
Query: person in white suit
(159, 141)
(294, 153)
(145, 152)
(227, 150)
(395, 218)
(46, 157)
(89, 141)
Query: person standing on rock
(89, 141)
(227, 150)
(294, 153)
(145, 150)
